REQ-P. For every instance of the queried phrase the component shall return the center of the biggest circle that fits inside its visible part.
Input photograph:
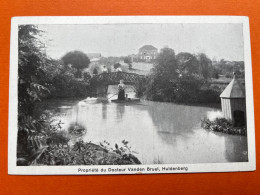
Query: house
(233, 102)
(147, 53)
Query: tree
(128, 61)
(166, 58)
(229, 67)
(117, 65)
(187, 88)
(77, 60)
(215, 73)
(205, 65)
(166, 64)
(32, 60)
(164, 74)
(187, 63)
(180, 78)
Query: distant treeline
(227, 68)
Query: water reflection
(104, 110)
(236, 149)
(177, 119)
(120, 110)
(165, 132)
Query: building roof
(233, 90)
(148, 47)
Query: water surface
(160, 132)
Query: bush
(208, 96)
(57, 137)
(35, 135)
(222, 125)
(229, 75)
(65, 86)
(86, 153)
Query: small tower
(233, 103)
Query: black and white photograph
(129, 95)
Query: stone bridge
(103, 80)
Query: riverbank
(81, 153)
(45, 142)
(222, 125)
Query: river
(159, 132)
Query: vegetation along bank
(223, 125)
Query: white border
(69, 170)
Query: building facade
(147, 53)
(233, 103)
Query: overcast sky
(216, 40)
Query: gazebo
(233, 102)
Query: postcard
(96, 95)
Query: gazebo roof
(233, 90)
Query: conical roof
(233, 90)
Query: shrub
(222, 125)
(65, 86)
(208, 96)
(84, 153)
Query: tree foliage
(41, 76)
(205, 65)
(180, 78)
(187, 63)
(117, 65)
(164, 74)
(31, 63)
(128, 61)
(227, 68)
(76, 59)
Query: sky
(217, 41)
